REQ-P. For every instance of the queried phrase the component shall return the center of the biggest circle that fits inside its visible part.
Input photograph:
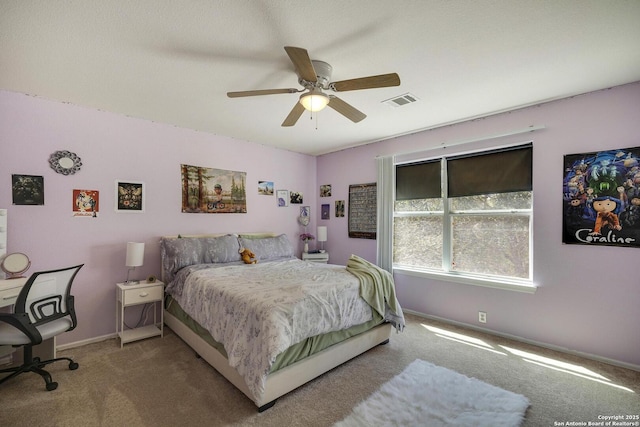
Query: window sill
(509, 285)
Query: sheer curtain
(384, 204)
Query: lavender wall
(117, 147)
(588, 297)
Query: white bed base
(291, 377)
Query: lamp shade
(135, 254)
(322, 234)
(314, 100)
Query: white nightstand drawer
(142, 295)
(322, 258)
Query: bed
(271, 327)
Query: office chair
(43, 309)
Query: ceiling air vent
(401, 100)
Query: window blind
(418, 180)
(501, 171)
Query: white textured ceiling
(174, 61)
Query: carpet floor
(159, 382)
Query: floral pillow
(268, 248)
(180, 252)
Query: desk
(9, 290)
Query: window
(466, 216)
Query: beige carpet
(159, 382)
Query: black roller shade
(418, 180)
(502, 171)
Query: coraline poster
(601, 200)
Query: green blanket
(377, 289)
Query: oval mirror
(15, 264)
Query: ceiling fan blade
(302, 62)
(294, 115)
(346, 110)
(372, 82)
(260, 92)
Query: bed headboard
(182, 250)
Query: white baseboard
(443, 320)
(528, 341)
(85, 342)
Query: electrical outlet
(482, 317)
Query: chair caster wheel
(73, 366)
(52, 386)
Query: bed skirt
(295, 367)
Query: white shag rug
(428, 395)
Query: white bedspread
(259, 310)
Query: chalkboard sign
(362, 211)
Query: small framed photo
(325, 211)
(283, 198)
(86, 203)
(129, 196)
(339, 208)
(27, 189)
(325, 190)
(305, 211)
(296, 197)
(265, 188)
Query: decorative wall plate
(65, 162)
(303, 220)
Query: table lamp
(322, 237)
(135, 258)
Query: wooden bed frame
(291, 377)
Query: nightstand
(322, 258)
(141, 293)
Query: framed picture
(86, 203)
(339, 208)
(305, 211)
(129, 196)
(209, 190)
(324, 211)
(296, 198)
(265, 188)
(27, 189)
(325, 190)
(362, 211)
(283, 198)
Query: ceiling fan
(315, 78)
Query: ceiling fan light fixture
(314, 100)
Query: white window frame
(387, 214)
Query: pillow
(268, 248)
(256, 235)
(183, 251)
